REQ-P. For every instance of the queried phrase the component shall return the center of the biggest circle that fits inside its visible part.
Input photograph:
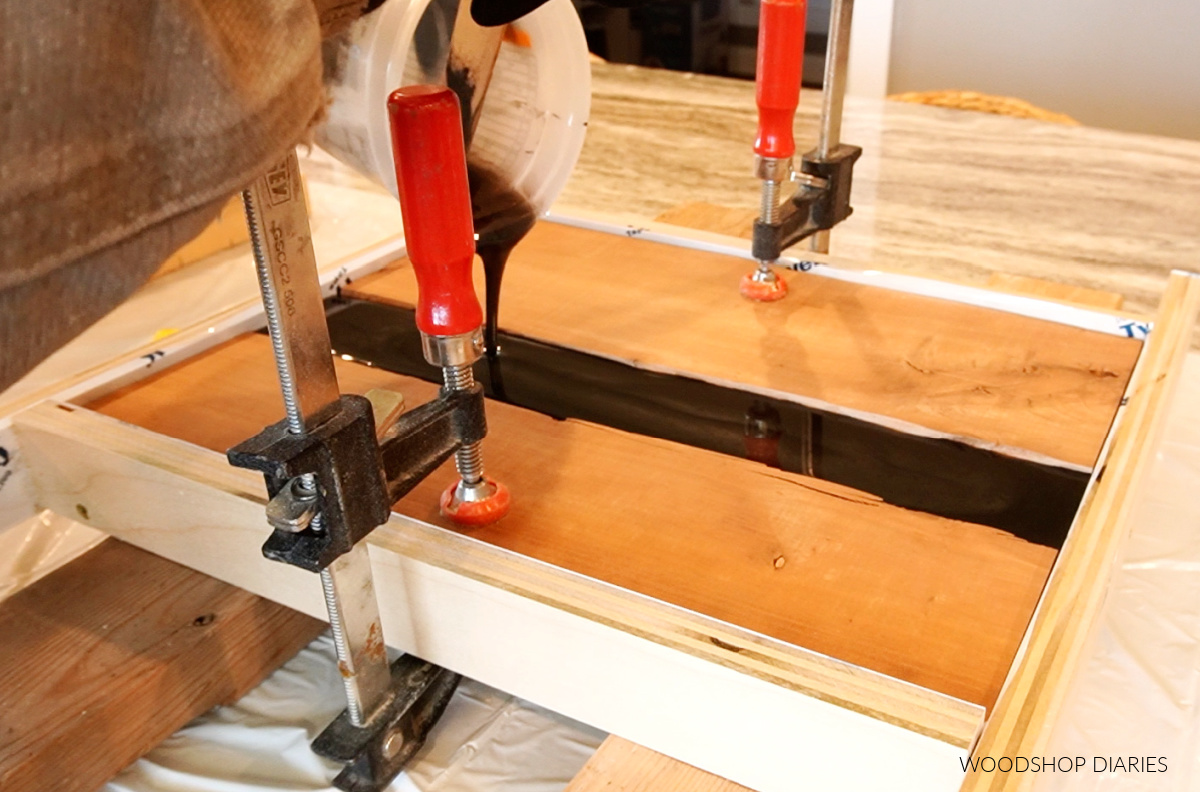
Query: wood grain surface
(107, 656)
(958, 369)
(814, 564)
(622, 766)
(710, 217)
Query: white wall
(1124, 64)
(870, 44)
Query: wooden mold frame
(759, 711)
(1051, 654)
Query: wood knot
(204, 620)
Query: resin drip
(502, 219)
(935, 475)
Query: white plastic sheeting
(1137, 696)
(38, 546)
(487, 740)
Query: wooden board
(952, 368)
(711, 217)
(621, 766)
(666, 677)
(1059, 292)
(811, 563)
(1041, 679)
(110, 654)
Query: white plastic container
(533, 118)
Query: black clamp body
(374, 753)
(358, 478)
(424, 438)
(351, 495)
(812, 208)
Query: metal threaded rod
(353, 706)
(271, 304)
(458, 378)
(770, 202)
(296, 426)
(360, 676)
(468, 459)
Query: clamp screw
(474, 499)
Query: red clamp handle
(780, 63)
(431, 173)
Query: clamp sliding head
(431, 174)
(777, 78)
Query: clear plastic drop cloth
(487, 740)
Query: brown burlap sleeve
(124, 125)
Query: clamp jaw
(357, 477)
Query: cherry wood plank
(936, 602)
(954, 368)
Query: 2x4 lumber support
(1038, 685)
(621, 766)
(105, 657)
(664, 677)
